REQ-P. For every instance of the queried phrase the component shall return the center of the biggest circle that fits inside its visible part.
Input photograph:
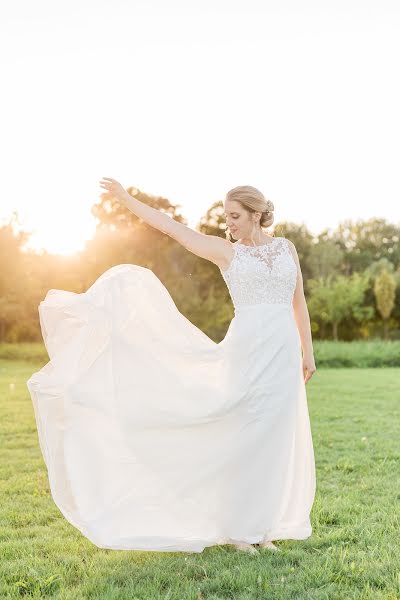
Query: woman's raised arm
(211, 247)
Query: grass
(328, 354)
(352, 554)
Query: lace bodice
(265, 273)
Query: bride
(154, 436)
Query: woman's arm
(211, 247)
(302, 318)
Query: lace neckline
(257, 246)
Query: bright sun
(61, 238)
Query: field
(354, 552)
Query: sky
(189, 99)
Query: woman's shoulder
(287, 240)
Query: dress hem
(196, 545)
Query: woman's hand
(113, 187)
(309, 367)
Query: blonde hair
(253, 200)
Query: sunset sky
(189, 99)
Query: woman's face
(239, 221)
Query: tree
(366, 241)
(213, 222)
(385, 292)
(324, 259)
(110, 213)
(13, 292)
(338, 297)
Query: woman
(157, 438)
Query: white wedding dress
(157, 438)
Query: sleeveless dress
(154, 436)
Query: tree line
(351, 273)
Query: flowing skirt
(157, 438)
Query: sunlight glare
(68, 240)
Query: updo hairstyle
(253, 200)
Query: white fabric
(157, 438)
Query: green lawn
(354, 552)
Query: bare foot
(246, 547)
(268, 544)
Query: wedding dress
(157, 438)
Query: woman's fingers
(113, 187)
(308, 372)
